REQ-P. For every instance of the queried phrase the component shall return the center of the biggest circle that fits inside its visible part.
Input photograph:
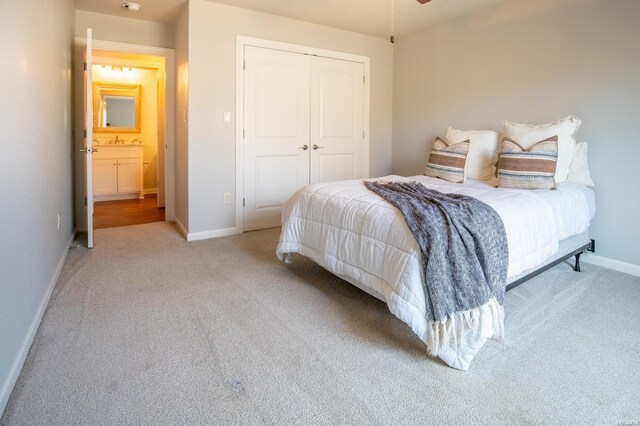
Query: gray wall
(35, 168)
(533, 62)
(212, 51)
(124, 30)
(182, 131)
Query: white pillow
(483, 151)
(579, 167)
(528, 135)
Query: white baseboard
(150, 191)
(14, 372)
(214, 233)
(133, 196)
(204, 235)
(616, 265)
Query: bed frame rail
(590, 246)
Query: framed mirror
(116, 107)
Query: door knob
(317, 147)
(304, 147)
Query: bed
(358, 236)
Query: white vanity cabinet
(117, 172)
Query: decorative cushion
(579, 167)
(527, 135)
(531, 168)
(483, 151)
(447, 161)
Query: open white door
(88, 138)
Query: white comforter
(358, 236)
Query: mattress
(358, 236)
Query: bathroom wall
(147, 78)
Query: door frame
(169, 106)
(241, 42)
(88, 135)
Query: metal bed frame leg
(590, 247)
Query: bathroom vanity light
(131, 7)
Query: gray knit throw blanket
(464, 258)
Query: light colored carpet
(149, 329)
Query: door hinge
(243, 201)
(85, 201)
(85, 66)
(363, 134)
(84, 133)
(242, 133)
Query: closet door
(337, 120)
(276, 132)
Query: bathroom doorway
(132, 135)
(128, 113)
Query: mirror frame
(102, 88)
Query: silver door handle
(304, 147)
(317, 147)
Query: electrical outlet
(59, 220)
(227, 198)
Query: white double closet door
(303, 123)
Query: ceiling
(364, 16)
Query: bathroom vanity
(117, 172)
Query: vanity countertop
(120, 143)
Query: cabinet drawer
(117, 152)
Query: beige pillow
(579, 167)
(483, 151)
(531, 168)
(528, 135)
(447, 161)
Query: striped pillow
(447, 161)
(532, 168)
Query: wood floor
(108, 214)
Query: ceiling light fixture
(132, 7)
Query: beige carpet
(149, 329)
